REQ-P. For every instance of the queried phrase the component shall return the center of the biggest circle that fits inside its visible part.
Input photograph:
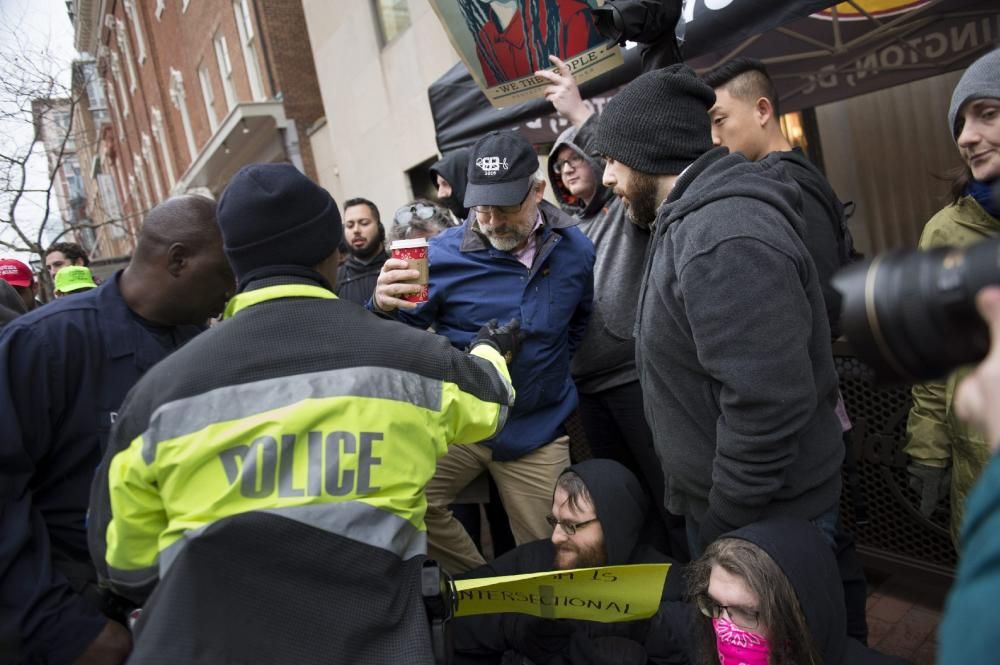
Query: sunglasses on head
(420, 211)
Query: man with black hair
(68, 367)
(365, 236)
(62, 254)
(746, 119)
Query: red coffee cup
(414, 252)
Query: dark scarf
(982, 192)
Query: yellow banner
(607, 594)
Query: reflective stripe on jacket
(300, 405)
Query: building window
(245, 27)
(156, 121)
(144, 185)
(225, 69)
(140, 42)
(109, 202)
(393, 18)
(116, 71)
(126, 50)
(179, 99)
(150, 158)
(113, 102)
(209, 97)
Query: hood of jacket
(719, 174)
(453, 167)
(808, 562)
(573, 205)
(10, 298)
(619, 502)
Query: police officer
(65, 369)
(268, 480)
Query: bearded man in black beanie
(268, 479)
(732, 345)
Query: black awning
(462, 113)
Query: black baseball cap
(501, 168)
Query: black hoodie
(807, 561)
(11, 305)
(824, 232)
(621, 506)
(733, 350)
(453, 167)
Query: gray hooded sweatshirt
(733, 350)
(606, 358)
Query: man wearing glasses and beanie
(516, 257)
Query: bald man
(64, 371)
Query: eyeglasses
(743, 617)
(569, 527)
(504, 210)
(407, 214)
(574, 161)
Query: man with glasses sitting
(598, 513)
(516, 257)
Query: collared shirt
(526, 255)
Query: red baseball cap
(16, 273)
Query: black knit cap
(272, 214)
(658, 124)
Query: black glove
(506, 339)
(932, 483)
(541, 640)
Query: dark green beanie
(658, 124)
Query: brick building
(196, 89)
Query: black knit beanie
(658, 124)
(272, 214)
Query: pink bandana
(737, 646)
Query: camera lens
(912, 315)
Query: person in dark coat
(606, 508)
(732, 342)
(770, 592)
(11, 305)
(450, 179)
(65, 369)
(365, 237)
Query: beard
(505, 237)
(641, 201)
(367, 250)
(568, 555)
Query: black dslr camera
(912, 316)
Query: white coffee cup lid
(408, 244)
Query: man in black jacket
(365, 237)
(598, 513)
(746, 119)
(732, 345)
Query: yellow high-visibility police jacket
(298, 405)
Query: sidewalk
(903, 617)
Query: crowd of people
(271, 487)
